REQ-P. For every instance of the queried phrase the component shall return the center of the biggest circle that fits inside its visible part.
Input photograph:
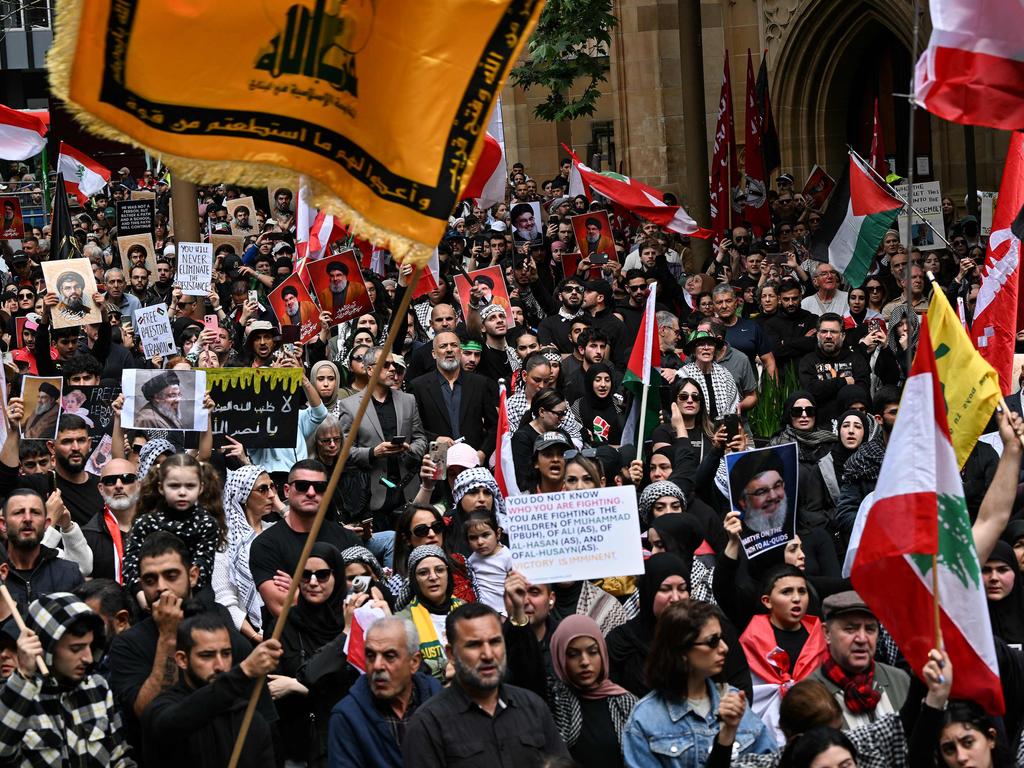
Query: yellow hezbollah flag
(382, 105)
(969, 384)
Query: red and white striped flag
(501, 462)
(83, 176)
(22, 135)
(304, 216)
(326, 229)
(487, 184)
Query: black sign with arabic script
(259, 407)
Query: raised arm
(997, 505)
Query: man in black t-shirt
(276, 551)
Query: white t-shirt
(489, 574)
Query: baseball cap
(549, 439)
(462, 455)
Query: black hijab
(658, 568)
(1007, 615)
(593, 407)
(681, 534)
(320, 624)
(840, 453)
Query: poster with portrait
(339, 286)
(73, 282)
(103, 453)
(927, 202)
(172, 400)
(526, 222)
(282, 205)
(242, 215)
(41, 395)
(12, 227)
(93, 404)
(817, 188)
(137, 251)
(293, 305)
(593, 232)
(492, 279)
(763, 489)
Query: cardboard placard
(172, 400)
(137, 251)
(242, 215)
(575, 535)
(41, 395)
(136, 217)
(293, 305)
(233, 240)
(817, 189)
(73, 282)
(93, 404)
(339, 286)
(928, 202)
(495, 290)
(195, 268)
(763, 488)
(154, 329)
(12, 223)
(259, 406)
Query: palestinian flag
(859, 213)
(919, 513)
(642, 372)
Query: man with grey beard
(107, 531)
(456, 403)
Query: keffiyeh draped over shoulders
(240, 535)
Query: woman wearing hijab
(590, 710)
(683, 536)
(818, 490)
(431, 583)
(1001, 576)
(249, 495)
(854, 427)
(327, 379)
(602, 422)
(903, 331)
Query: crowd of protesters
(151, 592)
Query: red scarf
(859, 692)
(118, 538)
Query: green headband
(472, 346)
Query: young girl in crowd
(491, 560)
(172, 494)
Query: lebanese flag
(501, 461)
(973, 69)
(638, 199)
(867, 210)
(304, 216)
(641, 373)
(998, 312)
(918, 513)
(487, 184)
(725, 173)
(83, 176)
(22, 135)
(877, 156)
(364, 617)
(430, 277)
(326, 229)
(756, 209)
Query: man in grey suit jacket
(393, 466)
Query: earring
(551, 603)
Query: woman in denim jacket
(676, 724)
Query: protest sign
(339, 286)
(575, 535)
(293, 305)
(195, 268)
(259, 406)
(135, 217)
(142, 194)
(526, 223)
(41, 395)
(137, 251)
(12, 226)
(93, 404)
(593, 232)
(928, 202)
(73, 282)
(495, 290)
(817, 188)
(989, 200)
(242, 212)
(103, 453)
(154, 328)
(763, 489)
(155, 399)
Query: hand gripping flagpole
(328, 497)
(21, 623)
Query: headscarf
(568, 630)
(332, 404)
(681, 534)
(657, 568)
(652, 493)
(601, 410)
(1007, 615)
(240, 535)
(417, 556)
(903, 312)
(151, 451)
(363, 556)
(479, 477)
(324, 622)
(812, 443)
(840, 453)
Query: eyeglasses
(421, 530)
(710, 642)
(320, 574)
(126, 479)
(303, 486)
(684, 397)
(586, 453)
(796, 411)
(573, 289)
(328, 440)
(265, 488)
(760, 493)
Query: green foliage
(766, 417)
(570, 43)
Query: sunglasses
(637, 287)
(684, 397)
(136, 447)
(573, 289)
(421, 530)
(264, 488)
(321, 574)
(303, 486)
(126, 479)
(586, 453)
(357, 358)
(328, 440)
(796, 411)
(711, 642)
(26, 295)
(874, 289)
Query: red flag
(326, 229)
(725, 173)
(877, 156)
(487, 185)
(756, 211)
(998, 313)
(501, 461)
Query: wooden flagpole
(328, 497)
(21, 624)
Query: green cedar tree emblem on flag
(956, 544)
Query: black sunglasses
(127, 479)
(322, 574)
(586, 453)
(136, 447)
(685, 396)
(797, 411)
(303, 486)
(711, 642)
(423, 529)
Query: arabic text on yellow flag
(969, 384)
(383, 105)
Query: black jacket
(478, 409)
(49, 574)
(824, 376)
(788, 334)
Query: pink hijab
(568, 630)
